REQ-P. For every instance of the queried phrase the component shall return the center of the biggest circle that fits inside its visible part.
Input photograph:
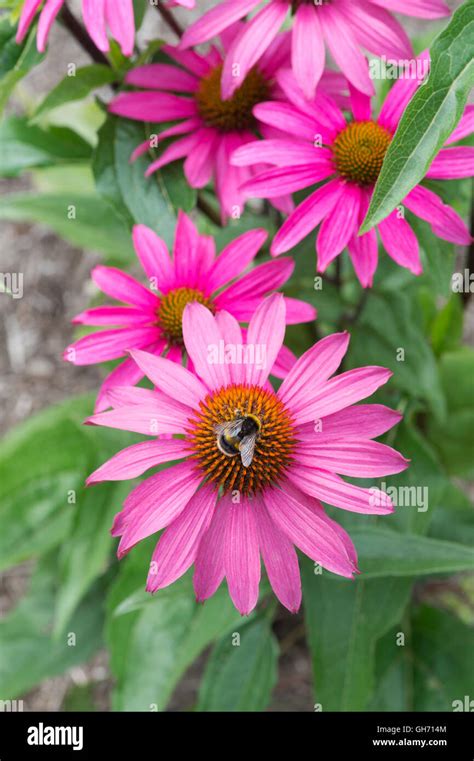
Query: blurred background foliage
(77, 603)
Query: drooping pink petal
(228, 178)
(135, 460)
(445, 222)
(279, 557)
(122, 287)
(209, 568)
(338, 227)
(363, 249)
(307, 51)
(332, 490)
(315, 506)
(121, 21)
(28, 13)
(312, 370)
(160, 499)
(250, 44)
(93, 13)
(235, 257)
(344, 48)
(377, 31)
(307, 530)
(171, 378)
(307, 216)
(241, 556)
(400, 242)
(199, 165)
(177, 547)
(46, 19)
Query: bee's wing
(247, 448)
(231, 428)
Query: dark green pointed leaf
(241, 671)
(344, 620)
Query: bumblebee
(239, 436)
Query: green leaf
(15, 60)
(389, 333)
(454, 438)
(241, 674)
(23, 146)
(429, 118)
(454, 518)
(443, 662)
(85, 553)
(152, 646)
(447, 327)
(344, 620)
(42, 466)
(384, 553)
(425, 664)
(105, 174)
(146, 198)
(393, 669)
(29, 654)
(76, 87)
(95, 226)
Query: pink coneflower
(350, 159)
(253, 464)
(152, 319)
(344, 26)
(212, 128)
(98, 15)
